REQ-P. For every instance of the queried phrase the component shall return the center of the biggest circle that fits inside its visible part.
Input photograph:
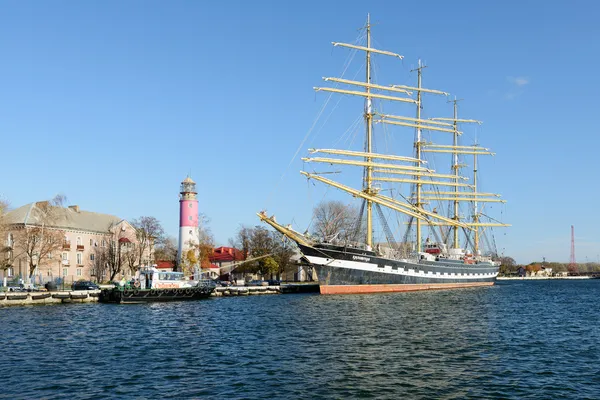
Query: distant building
(166, 266)
(77, 239)
(222, 258)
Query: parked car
(274, 282)
(85, 285)
(257, 282)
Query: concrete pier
(245, 290)
(35, 298)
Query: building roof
(188, 180)
(64, 218)
(164, 264)
(224, 254)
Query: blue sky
(114, 103)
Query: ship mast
(369, 126)
(455, 168)
(475, 210)
(418, 152)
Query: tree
(6, 250)
(533, 268)
(507, 265)
(113, 256)
(148, 232)
(334, 220)
(98, 264)
(206, 243)
(198, 254)
(283, 253)
(257, 242)
(242, 240)
(167, 251)
(37, 241)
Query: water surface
(516, 340)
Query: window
(65, 271)
(79, 258)
(91, 242)
(78, 271)
(10, 240)
(190, 205)
(92, 257)
(50, 254)
(190, 218)
(66, 239)
(79, 242)
(65, 256)
(10, 271)
(103, 243)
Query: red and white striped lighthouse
(188, 217)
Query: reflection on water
(514, 340)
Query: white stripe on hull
(362, 266)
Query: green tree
(508, 265)
(258, 242)
(167, 251)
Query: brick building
(84, 237)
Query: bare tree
(130, 254)
(206, 242)
(112, 256)
(38, 240)
(98, 263)
(148, 232)
(6, 248)
(334, 220)
(242, 240)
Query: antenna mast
(572, 263)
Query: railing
(66, 245)
(80, 247)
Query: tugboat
(154, 286)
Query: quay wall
(91, 296)
(34, 298)
(533, 278)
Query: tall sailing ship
(451, 256)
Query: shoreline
(515, 278)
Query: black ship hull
(118, 295)
(351, 270)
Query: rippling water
(518, 339)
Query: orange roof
(165, 265)
(223, 254)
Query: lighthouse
(188, 217)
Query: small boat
(61, 296)
(157, 286)
(79, 296)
